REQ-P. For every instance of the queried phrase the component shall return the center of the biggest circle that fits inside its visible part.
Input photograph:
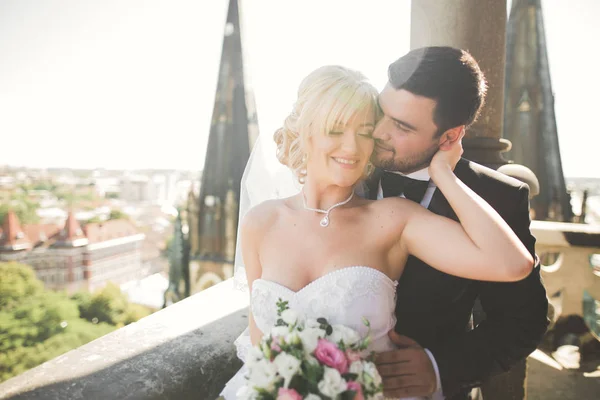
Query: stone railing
(572, 280)
(186, 350)
(182, 352)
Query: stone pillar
(478, 26)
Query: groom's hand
(407, 371)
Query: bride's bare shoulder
(263, 215)
(393, 206)
(392, 212)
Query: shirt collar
(420, 175)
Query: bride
(333, 254)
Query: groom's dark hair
(447, 75)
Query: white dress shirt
(423, 175)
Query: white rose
(356, 368)
(332, 383)
(262, 374)
(293, 337)
(246, 393)
(343, 333)
(370, 369)
(280, 331)
(311, 323)
(287, 366)
(312, 397)
(291, 317)
(253, 356)
(310, 338)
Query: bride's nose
(350, 143)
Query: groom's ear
(450, 137)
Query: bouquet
(310, 359)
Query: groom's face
(406, 137)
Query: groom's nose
(381, 130)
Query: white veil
(265, 178)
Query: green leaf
(348, 395)
(349, 376)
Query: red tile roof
(72, 230)
(13, 237)
(113, 229)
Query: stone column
(478, 26)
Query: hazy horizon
(131, 85)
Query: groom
(432, 96)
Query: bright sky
(130, 84)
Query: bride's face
(339, 157)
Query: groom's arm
(516, 320)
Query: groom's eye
(401, 127)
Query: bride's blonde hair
(327, 97)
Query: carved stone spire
(529, 119)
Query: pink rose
(355, 387)
(275, 345)
(288, 394)
(329, 354)
(352, 356)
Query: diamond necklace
(325, 221)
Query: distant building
(73, 257)
(156, 188)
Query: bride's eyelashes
(368, 135)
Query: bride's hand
(447, 156)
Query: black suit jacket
(435, 308)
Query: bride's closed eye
(364, 135)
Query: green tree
(37, 325)
(25, 210)
(109, 305)
(17, 282)
(117, 214)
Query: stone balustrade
(572, 280)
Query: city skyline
(131, 85)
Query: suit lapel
(372, 184)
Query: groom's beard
(406, 165)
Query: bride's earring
(369, 168)
(302, 172)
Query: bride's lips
(347, 163)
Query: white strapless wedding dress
(343, 296)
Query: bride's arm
(482, 247)
(252, 230)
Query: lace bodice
(343, 296)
